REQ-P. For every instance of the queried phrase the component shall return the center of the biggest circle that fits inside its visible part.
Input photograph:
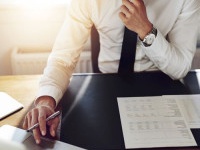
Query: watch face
(149, 39)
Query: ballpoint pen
(49, 118)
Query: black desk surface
(90, 115)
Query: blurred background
(28, 29)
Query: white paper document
(153, 122)
(16, 135)
(190, 106)
(8, 105)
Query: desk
(87, 116)
(90, 111)
(23, 88)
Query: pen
(49, 118)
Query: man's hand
(44, 107)
(133, 15)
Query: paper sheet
(13, 134)
(190, 106)
(8, 105)
(153, 122)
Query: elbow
(178, 76)
(179, 72)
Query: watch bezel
(150, 37)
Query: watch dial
(150, 38)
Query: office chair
(95, 48)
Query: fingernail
(53, 133)
(43, 133)
(37, 141)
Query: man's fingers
(36, 134)
(29, 120)
(137, 3)
(25, 123)
(125, 11)
(133, 5)
(130, 7)
(54, 125)
(42, 122)
(38, 115)
(126, 2)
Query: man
(173, 25)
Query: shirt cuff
(51, 91)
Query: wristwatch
(150, 37)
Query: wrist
(45, 101)
(150, 37)
(145, 31)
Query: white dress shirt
(171, 52)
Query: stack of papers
(160, 121)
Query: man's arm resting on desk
(44, 107)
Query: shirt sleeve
(173, 55)
(66, 51)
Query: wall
(28, 24)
